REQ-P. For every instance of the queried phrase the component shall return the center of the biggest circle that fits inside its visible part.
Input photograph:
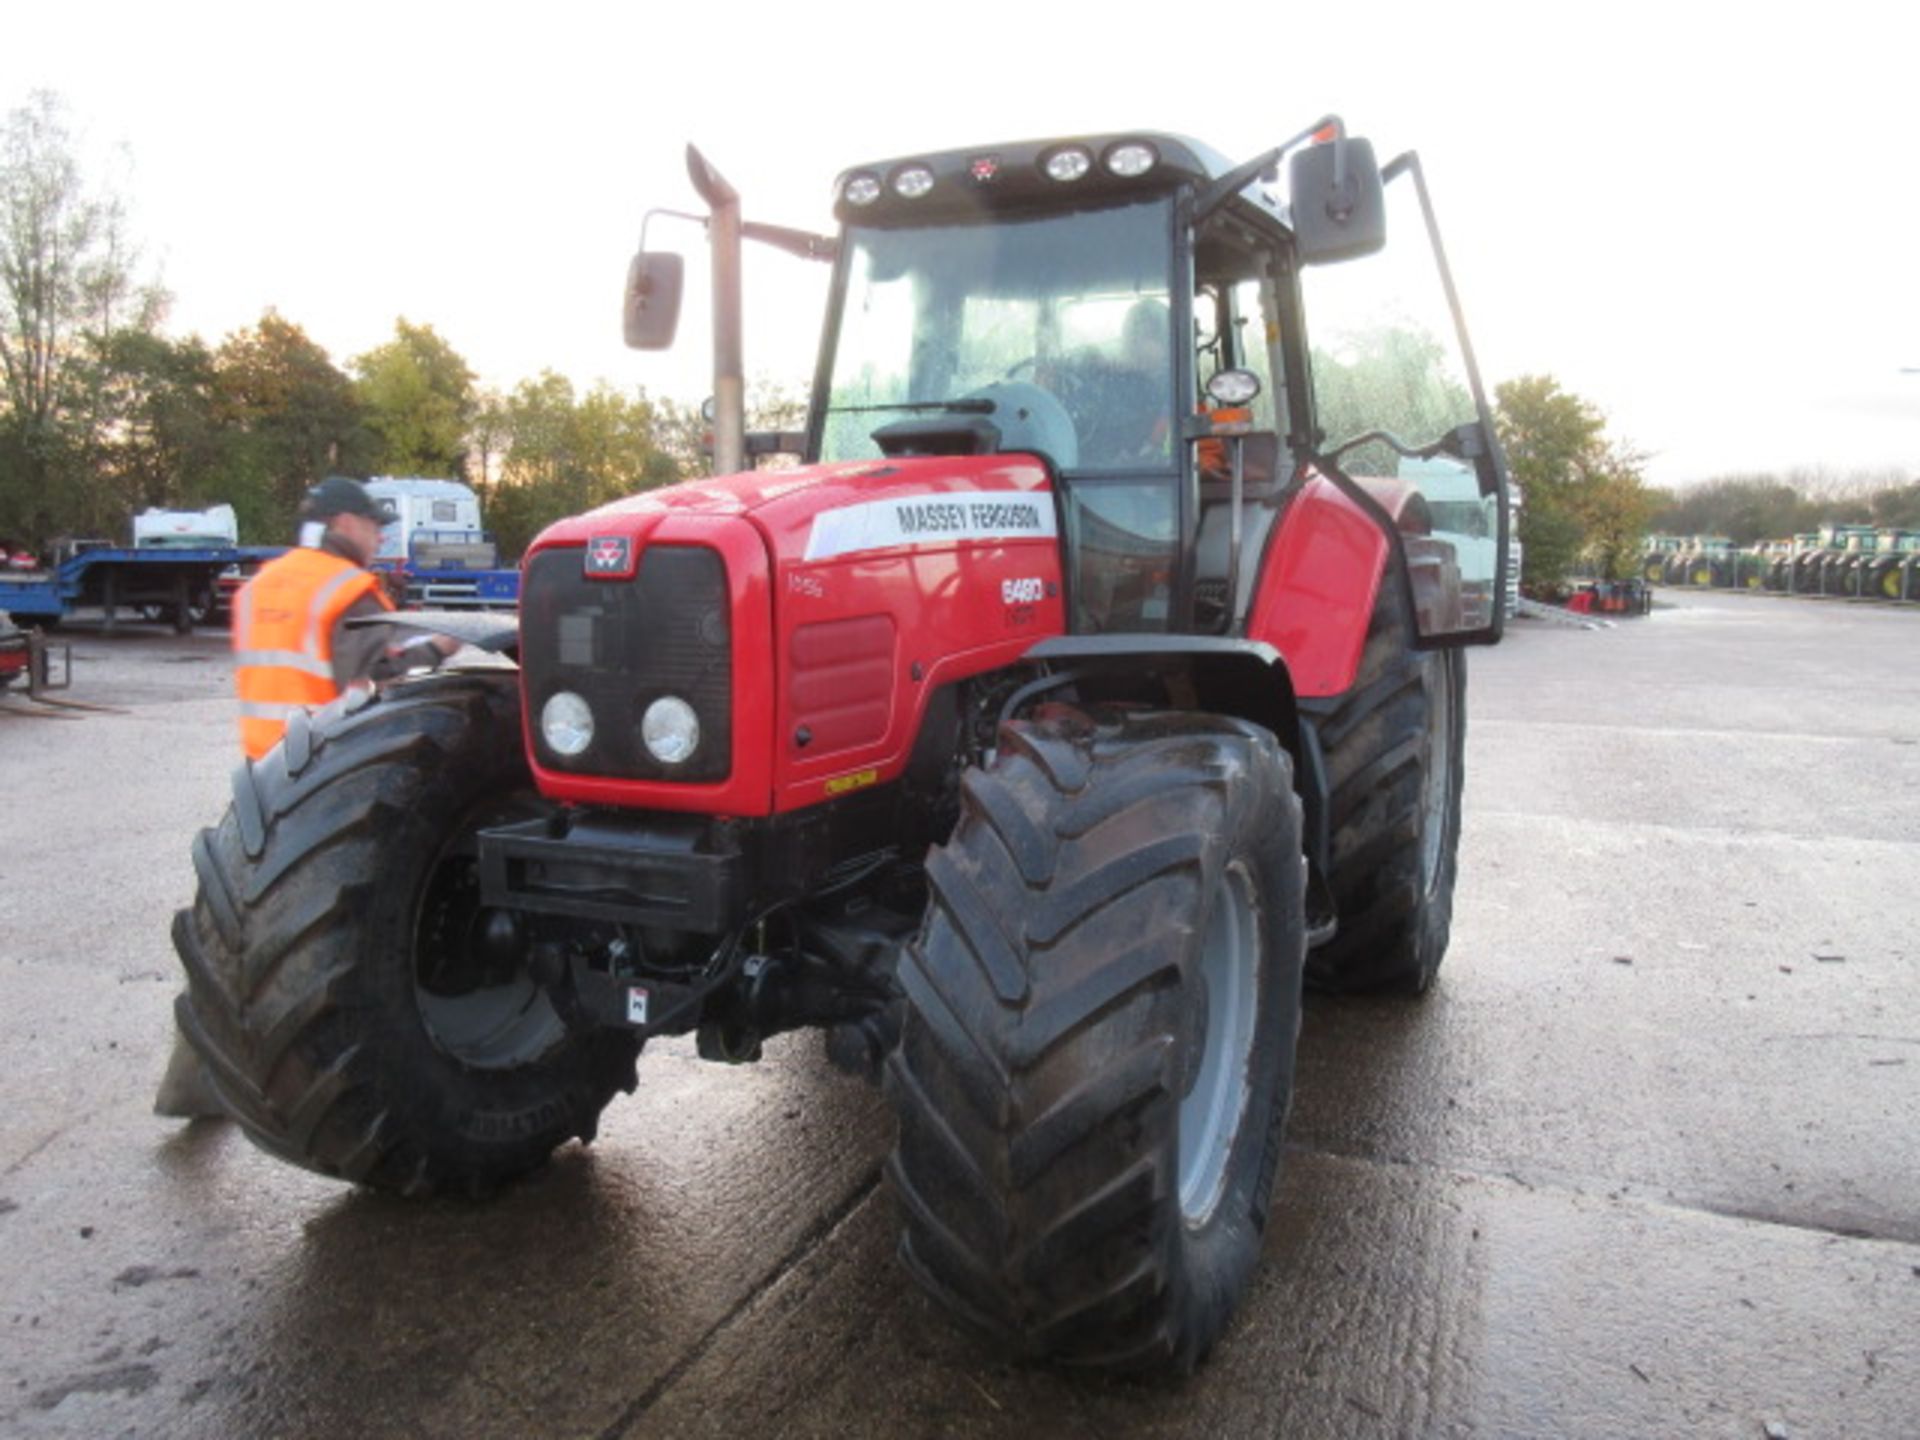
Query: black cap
(337, 495)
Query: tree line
(103, 414)
(1585, 500)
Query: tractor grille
(621, 645)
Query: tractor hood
(821, 513)
(804, 616)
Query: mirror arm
(1241, 176)
(803, 243)
(1394, 442)
(647, 219)
(1452, 442)
(1409, 163)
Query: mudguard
(484, 630)
(1314, 600)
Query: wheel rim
(1438, 780)
(1212, 1108)
(483, 1012)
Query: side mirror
(653, 300)
(1339, 209)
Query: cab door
(1401, 417)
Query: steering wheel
(1031, 418)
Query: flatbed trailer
(173, 581)
(456, 589)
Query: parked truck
(1470, 522)
(1033, 740)
(214, 528)
(433, 549)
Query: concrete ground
(1645, 1164)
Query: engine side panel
(904, 577)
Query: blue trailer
(451, 570)
(456, 589)
(179, 584)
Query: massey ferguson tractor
(1036, 738)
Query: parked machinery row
(1840, 560)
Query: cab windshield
(1057, 329)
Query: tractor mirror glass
(1337, 206)
(652, 307)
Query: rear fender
(492, 631)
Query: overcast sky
(1704, 221)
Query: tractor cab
(1131, 309)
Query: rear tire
(1097, 1057)
(345, 1015)
(1395, 748)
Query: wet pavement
(1645, 1164)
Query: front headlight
(671, 730)
(566, 723)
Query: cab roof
(967, 183)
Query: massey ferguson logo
(610, 555)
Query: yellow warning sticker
(841, 784)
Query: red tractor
(1036, 739)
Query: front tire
(349, 1016)
(1097, 1058)
(1395, 752)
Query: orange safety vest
(283, 639)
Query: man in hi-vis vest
(294, 650)
(292, 646)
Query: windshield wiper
(979, 406)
